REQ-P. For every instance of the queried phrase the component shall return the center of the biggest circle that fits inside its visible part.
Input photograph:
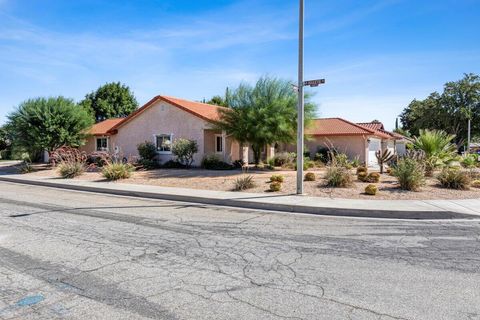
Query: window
(102, 144)
(164, 143)
(218, 144)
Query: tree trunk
(256, 153)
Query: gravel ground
(224, 181)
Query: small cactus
(371, 189)
(362, 176)
(362, 169)
(310, 176)
(275, 186)
(277, 178)
(373, 177)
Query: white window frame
(221, 143)
(155, 140)
(96, 144)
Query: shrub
(69, 170)
(362, 169)
(148, 164)
(341, 159)
(355, 162)
(308, 164)
(476, 183)
(310, 176)
(371, 189)
(410, 174)
(98, 159)
(373, 177)
(438, 148)
(244, 183)
(25, 167)
(362, 176)
(147, 150)
(172, 164)
(454, 179)
(284, 158)
(184, 150)
(277, 178)
(117, 170)
(213, 162)
(67, 154)
(469, 161)
(271, 162)
(275, 186)
(337, 176)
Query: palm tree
(438, 148)
(264, 114)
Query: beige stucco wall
(163, 118)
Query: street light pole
(468, 135)
(300, 116)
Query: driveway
(74, 255)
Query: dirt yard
(224, 181)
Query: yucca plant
(438, 148)
(383, 157)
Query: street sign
(314, 83)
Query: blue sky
(376, 55)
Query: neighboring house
(160, 121)
(360, 141)
(397, 142)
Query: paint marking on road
(30, 300)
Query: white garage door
(373, 146)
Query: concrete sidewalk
(393, 209)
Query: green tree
(112, 100)
(49, 123)
(218, 101)
(438, 148)
(448, 111)
(263, 114)
(4, 138)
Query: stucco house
(355, 140)
(162, 120)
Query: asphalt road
(74, 255)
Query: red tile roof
(103, 127)
(372, 125)
(341, 127)
(204, 111)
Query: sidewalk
(392, 209)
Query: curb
(340, 212)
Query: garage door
(373, 146)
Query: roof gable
(207, 112)
(102, 128)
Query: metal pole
(468, 135)
(300, 124)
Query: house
(160, 121)
(164, 119)
(356, 140)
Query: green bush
(454, 179)
(117, 170)
(147, 150)
(284, 158)
(341, 159)
(244, 183)
(184, 150)
(69, 170)
(213, 162)
(337, 176)
(277, 178)
(470, 161)
(310, 176)
(373, 177)
(409, 173)
(275, 186)
(308, 164)
(148, 164)
(172, 164)
(25, 167)
(371, 189)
